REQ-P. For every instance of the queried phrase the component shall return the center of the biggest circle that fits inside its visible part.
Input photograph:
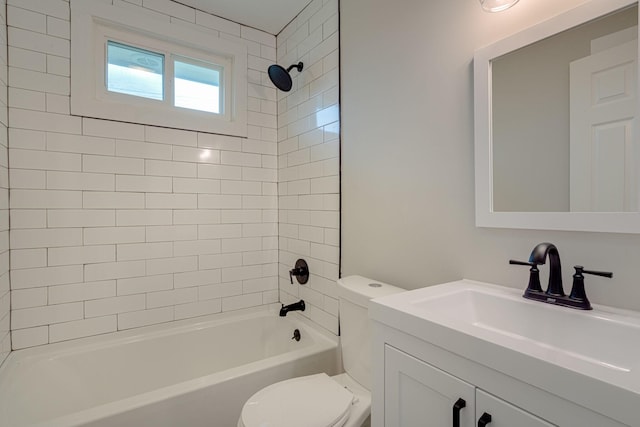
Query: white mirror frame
(614, 222)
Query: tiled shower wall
(309, 160)
(117, 225)
(5, 337)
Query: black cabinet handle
(484, 420)
(460, 403)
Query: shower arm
(298, 66)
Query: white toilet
(319, 400)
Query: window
(128, 66)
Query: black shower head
(281, 77)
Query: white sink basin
(495, 326)
(606, 339)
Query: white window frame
(94, 23)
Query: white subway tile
(198, 216)
(138, 251)
(26, 298)
(196, 185)
(220, 231)
(172, 297)
(58, 65)
(26, 39)
(43, 238)
(57, 8)
(260, 174)
(81, 255)
(220, 261)
(240, 159)
(114, 305)
(114, 270)
(260, 202)
(219, 142)
(232, 274)
(171, 233)
(82, 328)
(219, 290)
(107, 164)
(171, 201)
(197, 278)
(240, 187)
(107, 235)
(196, 155)
(28, 179)
(200, 308)
(46, 276)
(28, 258)
(47, 315)
(80, 144)
(45, 160)
(144, 150)
(143, 217)
(141, 285)
(213, 201)
(170, 168)
(27, 139)
(111, 129)
(112, 200)
(60, 104)
(28, 59)
(149, 184)
(80, 218)
(58, 27)
(172, 265)
(75, 292)
(80, 181)
(137, 319)
(241, 301)
(260, 257)
(27, 99)
(27, 218)
(30, 337)
(260, 230)
(170, 136)
(219, 171)
(196, 247)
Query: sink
(596, 337)
(485, 322)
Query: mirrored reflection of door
(603, 152)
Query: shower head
(281, 77)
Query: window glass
(134, 71)
(197, 86)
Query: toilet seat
(312, 401)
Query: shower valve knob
(301, 271)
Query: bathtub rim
(324, 341)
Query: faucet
(292, 307)
(554, 293)
(538, 256)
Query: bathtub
(186, 374)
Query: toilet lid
(312, 401)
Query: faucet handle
(534, 276)
(578, 296)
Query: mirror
(556, 112)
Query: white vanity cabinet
(417, 394)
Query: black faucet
(292, 307)
(554, 293)
(539, 256)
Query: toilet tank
(354, 293)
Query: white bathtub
(187, 375)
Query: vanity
(468, 353)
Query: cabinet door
(504, 414)
(417, 394)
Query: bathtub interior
(75, 376)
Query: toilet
(320, 400)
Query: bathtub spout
(292, 307)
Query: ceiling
(266, 15)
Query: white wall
(5, 297)
(118, 225)
(309, 161)
(407, 153)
